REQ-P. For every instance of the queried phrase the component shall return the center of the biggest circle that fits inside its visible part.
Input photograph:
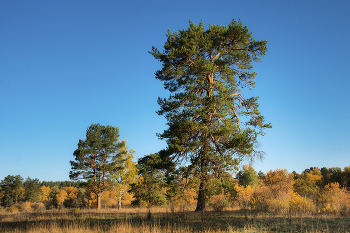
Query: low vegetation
(164, 220)
(317, 200)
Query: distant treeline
(61, 184)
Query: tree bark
(201, 200)
(120, 202)
(99, 195)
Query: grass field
(163, 220)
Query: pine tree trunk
(201, 200)
(99, 195)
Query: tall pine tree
(211, 125)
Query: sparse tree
(128, 173)
(212, 127)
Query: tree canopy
(212, 127)
(153, 170)
(11, 188)
(96, 159)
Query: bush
(12, 209)
(219, 202)
(279, 205)
(38, 206)
(335, 199)
(75, 210)
(298, 204)
(26, 206)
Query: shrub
(279, 205)
(244, 196)
(260, 198)
(219, 202)
(12, 209)
(75, 210)
(26, 206)
(298, 204)
(38, 206)
(335, 199)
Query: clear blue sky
(67, 64)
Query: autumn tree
(96, 159)
(128, 173)
(211, 125)
(335, 199)
(279, 189)
(45, 193)
(244, 198)
(61, 197)
(308, 183)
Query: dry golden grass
(163, 220)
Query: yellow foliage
(112, 203)
(188, 194)
(298, 204)
(279, 188)
(219, 202)
(335, 199)
(273, 193)
(260, 198)
(108, 199)
(26, 206)
(127, 199)
(38, 206)
(45, 193)
(12, 209)
(314, 175)
(245, 196)
(72, 192)
(92, 199)
(279, 181)
(61, 196)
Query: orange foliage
(61, 197)
(279, 185)
(245, 196)
(279, 181)
(273, 193)
(335, 199)
(45, 193)
(92, 199)
(127, 199)
(298, 204)
(72, 192)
